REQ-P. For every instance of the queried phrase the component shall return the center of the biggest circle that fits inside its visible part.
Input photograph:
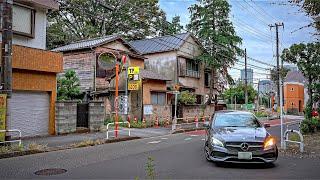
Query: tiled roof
(90, 43)
(147, 74)
(295, 76)
(160, 44)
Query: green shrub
(261, 114)
(185, 97)
(309, 126)
(304, 127)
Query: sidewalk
(64, 140)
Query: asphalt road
(178, 156)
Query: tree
(307, 58)
(209, 22)
(275, 76)
(238, 92)
(82, 19)
(169, 28)
(69, 86)
(312, 8)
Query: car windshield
(235, 120)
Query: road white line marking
(154, 142)
(187, 139)
(194, 135)
(203, 139)
(164, 138)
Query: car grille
(236, 146)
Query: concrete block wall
(66, 117)
(197, 110)
(96, 115)
(161, 111)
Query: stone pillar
(96, 115)
(66, 117)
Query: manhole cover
(50, 172)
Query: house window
(207, 79)
(158, 98)
(193, 69)
(23, 20)
(291, 89)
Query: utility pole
(280, 94)
(6, 47)
(258, 94)
(6, 62)
(246, 78)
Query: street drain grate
(50, 172)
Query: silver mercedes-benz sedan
(237, 136)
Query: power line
(264, 22)
(262, 10)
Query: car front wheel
(207, 152)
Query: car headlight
(216, 142)
(269, 143)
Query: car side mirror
(266, 125)
(206, 125)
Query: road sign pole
(174, 123)
(116, 98)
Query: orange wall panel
(36, 59)
(38, 81)
(152, 85)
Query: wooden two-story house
(175, 57)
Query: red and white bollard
(135, 119)
(156, 123)
(128, 119)
(144, 122)
(196, 121)
(167, 121)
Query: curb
(60, 148)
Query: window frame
(157, 94)
(192, 68)
(32, 23)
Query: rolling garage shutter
(29, 112)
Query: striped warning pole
(196, 120)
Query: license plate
(244, 155)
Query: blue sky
(251, 19)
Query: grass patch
(294, 137)
(37, 147)
(11, 149)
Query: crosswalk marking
(187, 139)
(154, 142)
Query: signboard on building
(133, 86)
(133, 78)
(148, 109)
(3, 111)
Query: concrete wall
(96, 115)
(162, 112)
(66, 117)
(196, 110)
(39, 40)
